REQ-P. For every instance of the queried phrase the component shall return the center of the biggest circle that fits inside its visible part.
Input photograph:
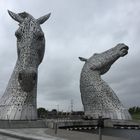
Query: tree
(134, 110)
(42, 112)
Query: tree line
(134, 110)
(54, 113)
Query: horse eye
(40, 37)
(18, 51)
(20, 76)
(18, 35)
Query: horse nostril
(20, 76)
(124, 48)
(34, 76)
(26, 77)
(127, 48)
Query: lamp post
(101, 125)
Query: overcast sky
(76, 28)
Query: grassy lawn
(136, 116)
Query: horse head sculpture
(21, 91)
(97, 97)
(30, 47)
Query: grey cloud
(76, 28)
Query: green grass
(136, 116)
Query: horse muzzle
(27, 80)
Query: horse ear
(42, 19)
(83, 59)
(16, 17)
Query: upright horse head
(30, 47)
(19, 100)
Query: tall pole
(100, 133)
(57, 108)
(71, 105)
(100, 125)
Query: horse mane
(24, 15)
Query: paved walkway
(2, 137)
(75, 135)
(25, 134)
(47, 134)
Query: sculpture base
(112, 114)
(22, 124)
